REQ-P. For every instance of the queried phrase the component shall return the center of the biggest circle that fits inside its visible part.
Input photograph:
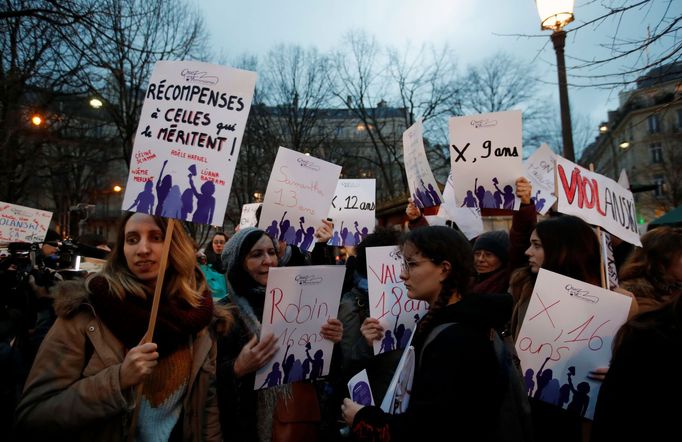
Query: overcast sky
(474, 29)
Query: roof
(672, 218)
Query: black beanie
(496, 242)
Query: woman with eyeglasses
(457, 388)
(247, 414)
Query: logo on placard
(198, 77)
(581, 294)
(396, 255)
(483, 123)
(308, 163)
(308, 279)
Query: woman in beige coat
(83, 382)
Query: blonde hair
(183, 280)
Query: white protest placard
(567, 332)
(468, 219)
(609, 261)
(360, 390)
(187, 142)
(423, 186)
(540, 172)
(397, 396)
(623, 179)
(298, 301)
(388, 300)
(596, 199)
(248, 217)
(352, 211)
(486, 158)
(298, 197)
(22, 224)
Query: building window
(656, 153)
(654, 124)
(659, 180)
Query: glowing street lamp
(117, 188)
(96, 103)
(37, 120)
(554, 15)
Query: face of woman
(260, 258)
(218, 244)
(423, 278)
(486, 262)
(535, 253)
(142, 247)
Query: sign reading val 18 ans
(22, 224)
(298, 197)
(298, 301)
(566, 333)
(388, 300)
(485, 155)
(187, 142)
(352, 211)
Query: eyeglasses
(408, 266)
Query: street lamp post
(554, 15)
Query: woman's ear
(446, 268)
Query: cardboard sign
(567, 332)
(467, 219)
(248, 217)
(540, 168)
(298, 197)
(485, 154)
(187, 142)
(596, 199)
(22, 224)
(298, 301)
(388, 300)
(397, 396)
(423, 186)
(352, 211)
(359, 389)
(609, 261)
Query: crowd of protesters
(80, 366)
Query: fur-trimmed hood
(69, 297)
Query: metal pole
(559, 39)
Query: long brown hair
(660, 248)
(183, 278)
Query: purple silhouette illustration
(336, 238)
(284, 225)
(300, 231)
(486, 200)
(528, 380)
(145, 199)
(317, 363)
(469, 200)
(426, 195)
(357, 236)
(507, 195)
(308, 238)
(362, 394)
(539, 202)
(205, 202)
(273, 378)
(434, 195)
(272, 230)
(581, 398)
(187, 203)
(290, 235)
(293, 369)
(163, 186)
(172, 207)
(388, 343)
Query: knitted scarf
(128, 318)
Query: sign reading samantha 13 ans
(187, 142)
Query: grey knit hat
(230, 253)
(496, 242)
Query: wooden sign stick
(152, 318)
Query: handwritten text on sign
(298, 197)
(188, 140)
(352, 211)
(298, 301)
(485, 155)
(596, 199)
(566, 333)
(22, 224)
(423, 186)
(388, 300)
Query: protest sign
(388, 300)
(540, 172)
(397, 396)
(423, 186)
(298, 197)
(467, 219)
(608, 260)
(22, 224)
(352, 211)
(359, 389)
(187, 142)
(248, 217)
(485, 155)
(567, 332)
(298, 301)
(596, 199)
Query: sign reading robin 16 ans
(187, 142)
